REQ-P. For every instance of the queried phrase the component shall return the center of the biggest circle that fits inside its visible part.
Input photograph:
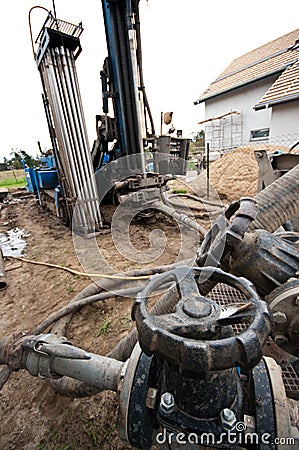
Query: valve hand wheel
(189, 336)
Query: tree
(19, 158)
(198, 140)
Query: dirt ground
(33, 416)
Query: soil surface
(33, 416)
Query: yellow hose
(81, 274)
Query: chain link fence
(285, 141)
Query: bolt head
(279, 317)
(228, 415)
(167, 402)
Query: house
(256, 98)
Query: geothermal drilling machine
(214, 363)
(125, 136)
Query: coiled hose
(278, 202)
(77, 389)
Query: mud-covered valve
(196, 337)
(192, 356)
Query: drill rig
(196, 372)
(121, 139)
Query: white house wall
(243, 101)
(285, 123)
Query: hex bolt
(228, 418)
(228, 414)
(279, 317)
(167, 402)
(280, 339)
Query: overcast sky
(186, 45)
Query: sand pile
(235, 174)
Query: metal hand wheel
(189, 336)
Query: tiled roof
(285, 88)
(266, 60)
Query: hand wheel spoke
(236, 312)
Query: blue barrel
(30, 174)
(47, 179)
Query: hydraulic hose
(198, 199)
(97, 288)
(166, 200)
(71, 308)
(122, 351)
(182, 218)
(69, 387)
(278, 202)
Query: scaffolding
(224, 132)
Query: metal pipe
(60, 123)
(88, 193)
(46, 81)
(68, 120)
(136, 97)
(64, 127)
(49, 356)
(51, 82)
(77, 145)
(90, 185)
(3, 282)
(99, 371)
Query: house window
(261, 134)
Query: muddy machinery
(123, 137)
(215, 362)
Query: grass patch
(104, 328)
(11, 179)
(179, 191)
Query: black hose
(278, 202)
(71, 308)
(110, 285)
(122, 351)
(198, 199)
(76, 389)
(166, 200)
(182, 218)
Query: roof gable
(273, 57)
(285, 88)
